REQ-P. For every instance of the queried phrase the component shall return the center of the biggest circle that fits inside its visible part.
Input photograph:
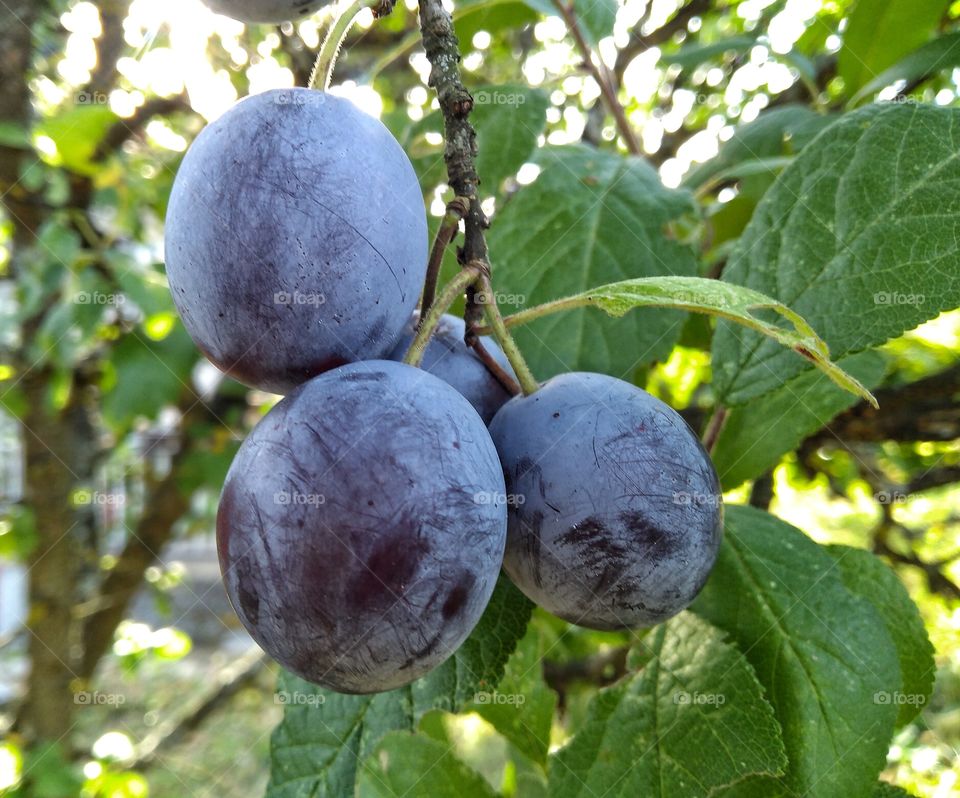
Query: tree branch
(602, 76)
(640, 43)
(926, 410)
(230, 681)
(165, 504)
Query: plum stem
(499, 372)
(525, 377)
(714, 427)
(459, 153)
(327, 57)
(457, 208)
(429, 320)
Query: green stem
(428, 322)
(327, 57)
(531, 314)
(499, 331)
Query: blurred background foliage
(124, 671)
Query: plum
(296, 238)
(615, 511)
(274, 11)
(361, 526)
(449, 358)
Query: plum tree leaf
(508, 120)
(693, 719)
(867, 576)
(522, 706)
(886, 790)
(822, 653)
(713, 297)
(590, 218)
(880, 32)
(324, 736)
(756, 436)
(859, 235)
(404, 765)
(595, 17)
(935, 56)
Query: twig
(498, 371)
(460, 149)
(231, 680)
(601, 75)
(714, 428)
(457, 208)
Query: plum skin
(615, 512)
(361, 526)
(272, 11)
(446, 356)
(296, 238)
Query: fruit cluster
(364, 522)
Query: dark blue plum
(362, 526)
(449, 358)
(274, 11)
(296, 238)
(615, 511)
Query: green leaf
(405, 765)
(757, 435)
(822, 653)
(147, 375)
(77, 132)
(858, 235)
(715, 298)
(776, 133)
(886, 790)
(880, 32)
(595, 17)
(324, 736)
(590, 217)
(521, 708)
(939, 55)
(491, 16)
(868, 577)
(508, 119)
(695, 54)
(693, 720)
